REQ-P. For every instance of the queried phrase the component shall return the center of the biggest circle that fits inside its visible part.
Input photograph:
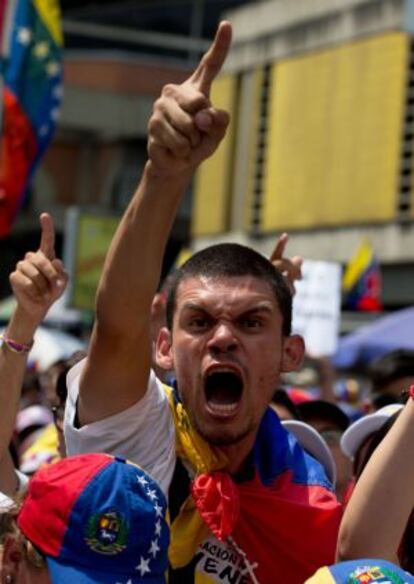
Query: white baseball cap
(357, 432)
(35, 416)
(312, 442)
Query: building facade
(321, 145)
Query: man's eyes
(203, 323)
(198, 323)
(251, 323)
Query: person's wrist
(23, 325)
(156, 172)
(14, 346)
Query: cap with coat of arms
(364, 571)
(97, 519)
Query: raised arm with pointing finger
(184, 129)
(37, 282)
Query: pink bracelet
(14, 346)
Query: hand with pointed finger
(185, 128)
(39, 279)
(290, 268)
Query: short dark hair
(325, 410)
(281, 398)
(390, 367)
(231, 260)
(380, 400)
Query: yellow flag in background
(362, 282)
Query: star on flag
(142, 480)
(158, 528)
(24, 35)
(53, 68)
(58, 91)
(158, 509)
(155, 548)
(143, 566)
(152, 494)
(41, 49)
(55, 113)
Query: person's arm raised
(382, 501)
(184, 130)
(37, 282)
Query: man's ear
(11, 559)
(293, 353)
(163, 353)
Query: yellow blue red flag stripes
(31, 71)
(362, 283)
(280, 500)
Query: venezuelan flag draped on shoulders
(281, 516)
(31, 75)
(362, 283)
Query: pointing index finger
(212, 61)
(47, 240)
(280, 248)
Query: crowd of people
(171, 452)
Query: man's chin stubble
(224, 438)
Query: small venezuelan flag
(362, 282)
(31, 91)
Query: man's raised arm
(184, 130)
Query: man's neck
(237, 454)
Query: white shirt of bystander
(143, 434)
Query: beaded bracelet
(14, 346)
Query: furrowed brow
(192, 306)
(257, 310)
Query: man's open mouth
(223, 392)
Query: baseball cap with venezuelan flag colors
(97, 519)
(365, 571)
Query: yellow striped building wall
(333, 142)
(213, 181)
(334, 135)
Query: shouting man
(247, 504)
